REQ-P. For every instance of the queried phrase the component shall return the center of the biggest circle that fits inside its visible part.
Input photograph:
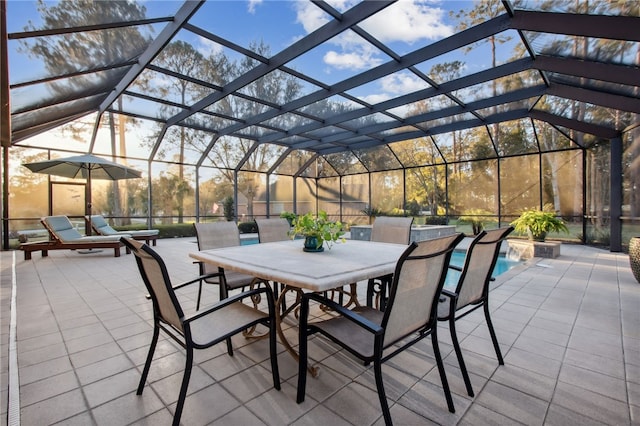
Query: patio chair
(472, 290)
(386, 230)
(273, 229)
(63, 236)
(410, 315)
(100, 225)
(200, 330)
(219, 235)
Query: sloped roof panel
(327, 77)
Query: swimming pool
(457, 258)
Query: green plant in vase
(290, 216)
(538, 223)
(317, 231)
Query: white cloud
(395, 85)
(350, 60)
(375, 99)
(251, 8)
(402, 83)
(405, 21)
(310, 16)
(207, 47)
(409, 21)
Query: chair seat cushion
(138, 233)
(234, 279)
(99, 238)
(355, 337)
(223, 322)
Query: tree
(276, 87)
(167, 189)
(90, 51)
(28, 192)
(483, 11)
(180, 57)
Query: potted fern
(317, 231)
(538, 223)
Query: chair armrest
(233, 299)
(195, 280)
(448, 293)
(345, 312)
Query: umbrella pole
(87, 212)
(87, 198)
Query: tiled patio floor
(569, 329)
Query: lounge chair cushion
(62, 228)
(102, 227)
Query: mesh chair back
(273, 229)
(391, 229)
(479, 262)
(216, 235)
(417, 282)
(156, 279)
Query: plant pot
(311, 245)
(634, 256)
(537, 237)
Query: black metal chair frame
(481, 302)
(377, 287)
(266, 234)
(184, 337)
(222, 281)
(362, 317)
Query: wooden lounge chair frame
(55, 243)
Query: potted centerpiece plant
(538, 223)
(317, 231)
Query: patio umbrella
(87, 167)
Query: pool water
(457, 258)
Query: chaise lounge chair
(63, 236)
(100, 225)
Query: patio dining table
(285, 262)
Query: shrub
(175, 230)
(435, 220)
(477, 218)
(248, 227)
(290, 216)
(227, 207)
(372, 211)
(413, 208)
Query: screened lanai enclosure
(448, 111)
